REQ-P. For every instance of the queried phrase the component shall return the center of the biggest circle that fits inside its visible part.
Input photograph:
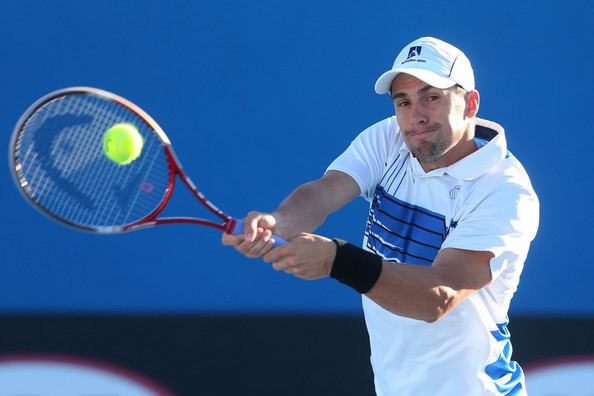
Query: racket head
(58, 163)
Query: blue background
(259, 97)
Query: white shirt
(483, 202)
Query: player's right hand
(257, 239)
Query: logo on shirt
(454, 191)
(414, 51)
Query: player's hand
(307, 256)
(256, 239)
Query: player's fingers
(263, 244)
(244, 246)
(253, 220)
(231, 240)
(256, 248)
(282, 265)
(277, 254)
(251, 225)
(267, 221)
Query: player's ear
(473, 100)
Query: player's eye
(402, 103)
(432, 98)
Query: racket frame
(227, 225)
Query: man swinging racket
(452, 214)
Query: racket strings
(65, 171)
(67, 164)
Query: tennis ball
(122, 143)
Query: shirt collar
(475, 164)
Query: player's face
(433, 121)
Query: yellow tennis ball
(122, 143)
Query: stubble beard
(431, 151)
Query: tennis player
(452, 215)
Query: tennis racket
(58, 163)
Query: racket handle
(238, 230)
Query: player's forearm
(303, 210)
(413, 291)
(306, 208)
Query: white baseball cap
(433, 61)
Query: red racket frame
(175, 170)
(228, 224)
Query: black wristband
(355, 267)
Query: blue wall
(283, 87)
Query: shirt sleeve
(365, 159)
(503, 223)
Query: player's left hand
(307, 256)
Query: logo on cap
(414, 51)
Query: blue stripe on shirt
(399, 230)
(507, 374)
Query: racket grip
(238, 230)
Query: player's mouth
(423, 133)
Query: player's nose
(419, 115)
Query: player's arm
(305, 209)
(414, 291)
(428, 293)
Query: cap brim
(383, 84)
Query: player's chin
(426, 152)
